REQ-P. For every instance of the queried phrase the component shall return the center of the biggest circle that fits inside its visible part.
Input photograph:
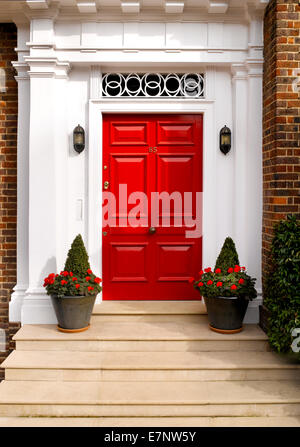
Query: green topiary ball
(228, 256)
(77, 259)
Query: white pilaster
(253, 195)
(95, 152)
(239, 147)
(48, 147)
(22, 78)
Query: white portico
(64, 49)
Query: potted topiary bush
(226, 291)
(74, 290)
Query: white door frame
(97, 107)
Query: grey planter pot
(226, 314)
(73, 313)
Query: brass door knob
(152, 230)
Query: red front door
(147, 255)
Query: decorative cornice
(45, 13)
(217, 6)
(172, 7)
(47, 67)
(84, 9)
(37, 4)
(131, 7)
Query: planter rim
(224, 297)
(75, 296)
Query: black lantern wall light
(225, 140)
(78, 139)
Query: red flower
(51, 275)
(191, 280)
(63, 282)
(233, 287)
(77, 286)
(200, 284)
(237, 268)
(209, 283)
(230, 270)
(241, 281)
(65, 273)
(208, 270)
(90, 288)
(219, 284)
(87, 278)
(56, 276)
(97, 280)
(74, 278)
(89, 271)
(71, 273)
(200, 273)
(244, 268)
(218, 271)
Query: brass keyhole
(106, 185)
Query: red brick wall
(281, 118)
(8, 182)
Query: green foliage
(219, 283)
(228, 256)
(77, 259)
(67, 284)
(282, 291)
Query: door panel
(175, 134)
(151, 154)
(128, 134)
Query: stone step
(157, 399)
(150, 311)
(150, 307)
(151, 422)
(140, 337)
(147, 366)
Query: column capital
(95, 82)
(239, 72)
(22, 70)
(47, 67)
(255, 67)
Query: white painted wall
(63, 65)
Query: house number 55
(152, 149)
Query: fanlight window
(151, 85)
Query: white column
(254, 170)
(247, 145)
(239, 147)
(22, 78)
(210, 147)
(48, 146)
(94, 220)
